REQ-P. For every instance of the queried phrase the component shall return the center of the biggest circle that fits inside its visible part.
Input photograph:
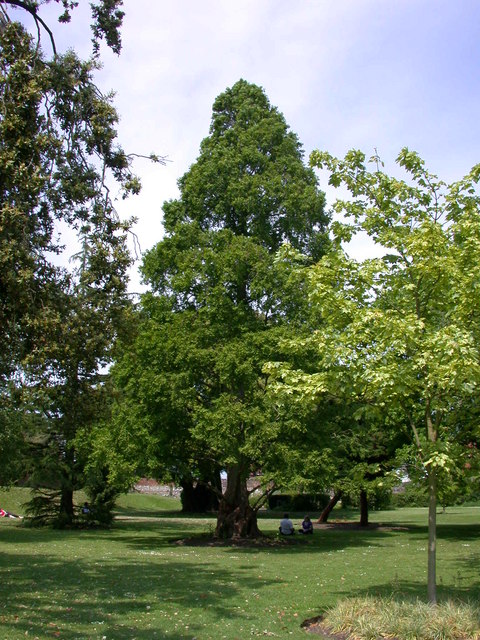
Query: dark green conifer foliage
(217, 307)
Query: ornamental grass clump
(374, 618)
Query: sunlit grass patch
(135, 503)
(373, 618)
(14, 500)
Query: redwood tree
(215, 311)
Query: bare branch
(264, 497)
(38, 20)
(153, 157)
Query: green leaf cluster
(401, 332)
(221, 300)
(59, 325)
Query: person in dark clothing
(307, 526)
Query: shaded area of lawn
(78, 597)
(133, 582)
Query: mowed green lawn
(135, 581)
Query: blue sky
(359, 73)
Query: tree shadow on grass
(46, 597)
(406, 590)
(458, 532)
(195, 531)
(18, 533)
(130, 512)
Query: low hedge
(298, 501)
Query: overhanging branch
(38, 20)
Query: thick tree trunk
(432, 535)
(236, 518)
(363, 508)
(329, 508)
(66, 506)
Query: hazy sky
(354, 73)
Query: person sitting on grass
(286, 526)
(7, 514)
(307, 526)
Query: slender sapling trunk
(330, 506)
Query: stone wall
(147, 485)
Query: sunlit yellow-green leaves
(401, 332)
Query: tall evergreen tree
(215, 309)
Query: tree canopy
(218, 302)
(107, 17)
(60, 314)
(400, 333)
(58, 145)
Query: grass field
(135, 581)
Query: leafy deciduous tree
(58, 151)
(107, 18)
(402, 331)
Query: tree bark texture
(432, 535)
(66, 506)
(363, 508)
(66, 512)
(432, 435)
(236, 518)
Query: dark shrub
(298, 501)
